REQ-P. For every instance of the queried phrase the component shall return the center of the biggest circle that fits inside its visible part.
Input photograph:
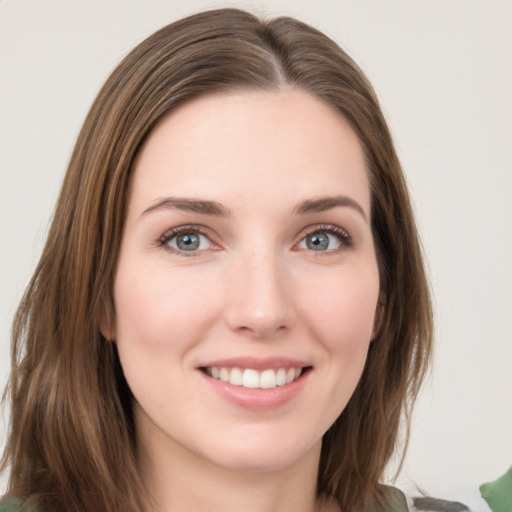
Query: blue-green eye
(186, 241)
(318, 242)
(325, 239)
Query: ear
(377, 321)
(107, 321)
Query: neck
(180, 481)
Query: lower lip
(257, 399)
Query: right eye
(186, 241)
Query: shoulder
(428, 504)
(392, 499)
(15, 504)
(396, 501)
(10, 504)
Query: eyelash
(344, 238)
(342, 235)
(190, 229)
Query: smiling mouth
(254, 379)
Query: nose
(259, 297)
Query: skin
(253, 288)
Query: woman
(231, 307)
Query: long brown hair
(72, 440)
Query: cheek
(156, 308)
(340, 316)
(157, 324)
(343, 311)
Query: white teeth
(253, 379)
(281, 377)
(268, 379)
(235, 377)
(224, 375)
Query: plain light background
(443, 72)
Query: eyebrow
(323, 204)
(189, 205)
(216, 209)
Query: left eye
(321, 241)
(188, 242)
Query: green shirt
(497, 494)
(13, 504)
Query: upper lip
(257, 363)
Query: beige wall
(443, 72)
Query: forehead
(249, 142)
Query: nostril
(262, 329)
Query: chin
(261, 457)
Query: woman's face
(247, 283)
